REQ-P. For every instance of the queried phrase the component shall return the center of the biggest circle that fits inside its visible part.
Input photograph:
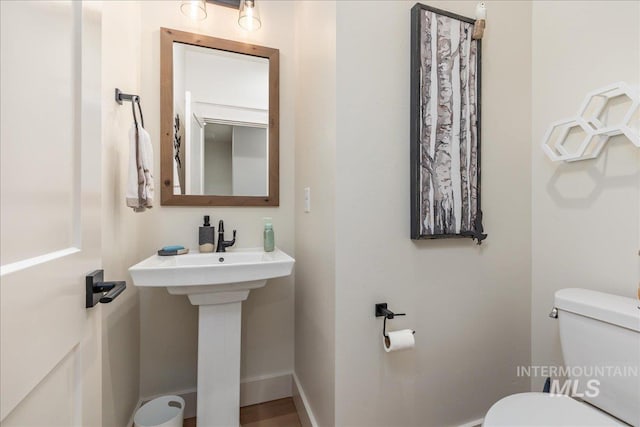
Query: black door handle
(99, 291)
(113, 290)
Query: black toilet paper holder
(383, 311)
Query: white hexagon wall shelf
(594, 123)
(551, 137)
(631, 126)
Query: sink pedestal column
(219, 364)
(219, 326)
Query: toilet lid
(544, 409)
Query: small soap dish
(173, 250)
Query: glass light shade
(194, 9)
(249, 18)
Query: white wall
(227, 85)
(250, 161)
(315, 36)
(217, 159)
(168, 324)
(179, 106)
(179, 79)
(194, 137)
(227, 78)
(469, 305)
(120, 225)
(586, 215)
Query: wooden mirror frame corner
(167, 198)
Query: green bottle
(269, 243)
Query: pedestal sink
(217, 283)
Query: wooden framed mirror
(219, 110)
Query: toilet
(600, 338)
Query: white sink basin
(212, 272)
(217, 283)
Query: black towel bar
(120, 96)
(134, 99)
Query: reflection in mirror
(219, 107)
(235, 161)
(221, 110)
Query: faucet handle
(232, 241)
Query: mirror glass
(219, 126)
(220, 121)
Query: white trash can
(165, 411)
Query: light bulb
(194, 9)
(249, 17)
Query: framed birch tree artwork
(445, 126)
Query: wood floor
(277, 413)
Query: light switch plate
(307, 199)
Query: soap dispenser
(269, 241)
(205, 236)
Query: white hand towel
(147, 165)
(139, 193)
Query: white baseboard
(302, 404)
(252, 391)
(265, 388)
(475, 423)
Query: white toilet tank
(600, 337)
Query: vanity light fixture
(249, 17)
(194, 9)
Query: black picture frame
(431, 216)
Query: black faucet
(224, 244)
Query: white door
(50, 364)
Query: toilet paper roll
(399, 340)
